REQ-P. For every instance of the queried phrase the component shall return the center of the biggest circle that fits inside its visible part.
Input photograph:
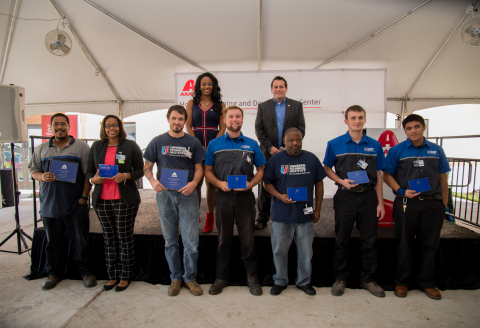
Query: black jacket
(133, 165)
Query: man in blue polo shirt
(63, 205)
(356, 154)
(418, 215)
(234, 154)
(294, 171)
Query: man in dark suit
(274, 117)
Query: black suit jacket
(266, 123)
(133, 165)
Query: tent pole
(145, 36)
(260, 3)
(87, 54)
(438, 52)
(9, 40)
(340, 55)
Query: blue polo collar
(410, 144)
(227, 136)
(348, 138)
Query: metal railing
(464, 185)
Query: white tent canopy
(221, 35)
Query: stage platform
(457, 263)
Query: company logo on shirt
(368, 149)
(188, 89)
(64, 167)
(245, 146)
(164, 150)
(174, 175)
(297, 169)
(432, 152)
(177, 151)
(284, 169)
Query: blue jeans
(76, 227)
(282, 236)
(175, 208)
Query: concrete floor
(24, 304)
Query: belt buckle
(420, 198)
(360, 187)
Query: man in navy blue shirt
(234, 154)
(418, 215)
(274, 117)
(178, 150)
(353, 202)
(290, 172)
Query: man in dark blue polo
(288, 174)
(234, 154)
(354, 202)
(418, 215)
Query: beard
(61, 138)
(231, 129)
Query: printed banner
(47, 129)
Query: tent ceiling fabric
(222, 35)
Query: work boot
(254, 284)
(194, 287)
(433, 293)
(50, 283)
(338, 287)
(373, 288)
(217, 286)
(174, 288)
(401, 291)
(89, 281)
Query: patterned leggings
(118, 223)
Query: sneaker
(174, 288)
(338, 287)
(373, 288)
(89, 281)
(194, 287)
(50, 283)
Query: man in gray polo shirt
(63, 205)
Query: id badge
(418, 163)
(307, 210)
(361, 163)
(120, 158)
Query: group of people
(214, 148)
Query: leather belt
(427, 197)
(234, 191)
(360, 188)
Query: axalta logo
(245, 146)
(174, 175)
(64, 167)
(164, 150)
(284, 169)
(387, 139)
(432, 152)
(188, 88)
(369, 149)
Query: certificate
(64, 171)
(420, 185)
(237, 182)
(107, 171)
(173, 178)
(358, 176)
(297, 194)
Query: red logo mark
(387, 139)
(188, 88)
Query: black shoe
(51, 282)
(260, 225)
(89, 281)
(217, 286)
(254, 284)
(109, 287)
(121, 289)
(277, 290)
(309, 290)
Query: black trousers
(423, 220)
(264, 203)
(236, 209)
(359, 208)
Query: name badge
(418, 163)
(308, 210)
(120, 158)
(361, 163)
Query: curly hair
(216, 95)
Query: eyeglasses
(60, 123)
(108, 126)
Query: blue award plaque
(237, 182)
(107, 171)
(420, 185)
(173, 178)
(64, 171)
(358, 176)
(297, 194)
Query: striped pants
(118, 223)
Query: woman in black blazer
(116, 199)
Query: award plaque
(420, 185)
(107, 171)
(173, 178)
(237, 182)
(64, 171)
(358, 176)
(297, 194)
